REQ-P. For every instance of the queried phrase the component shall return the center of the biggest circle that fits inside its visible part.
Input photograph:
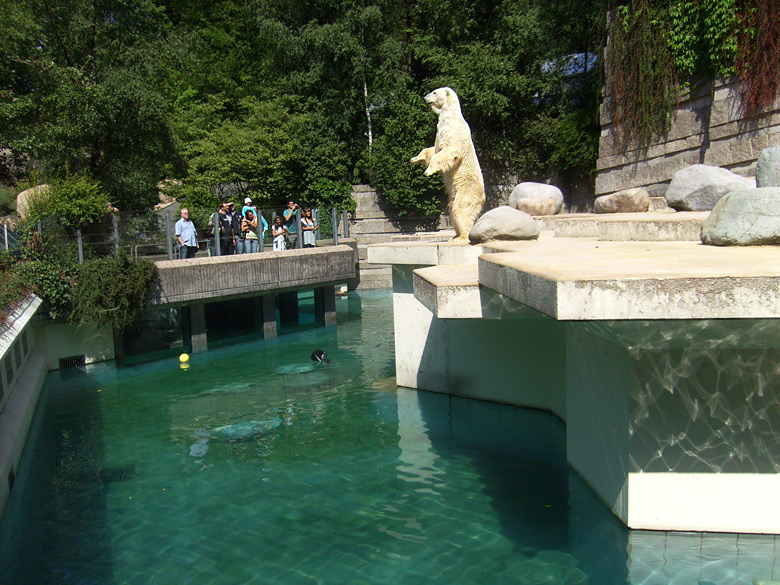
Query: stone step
(373, 276)
(659, 204)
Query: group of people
(238, 231)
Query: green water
(349, 480)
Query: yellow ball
(184, 358)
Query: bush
(111, 291)
(76, 200)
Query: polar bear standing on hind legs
(454, 156)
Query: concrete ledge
(449, 292)
(197, 279)
(592, 280)
(652, 227)
(423, 253)
(708, 502)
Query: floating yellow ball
(184, 358)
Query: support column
(198, 336)
(288, 308)
(269, 316)
(325, 305)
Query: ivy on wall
(656, 48)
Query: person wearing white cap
(257, 214)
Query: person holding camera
(291, 224)
(249, 232)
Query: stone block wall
(707, 128)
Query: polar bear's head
(443, 98)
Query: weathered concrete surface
(199, 279)
(660, 226)
(595, 280)
(449, 292)
(423, 253)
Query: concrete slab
(578, 279)
(449, 292)
(423, 253)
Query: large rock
(24, 198)
(700, 187)
(625, 201)
(750, 217)
(504, 223)
(537, 206)
(536, 191)
(768, 168)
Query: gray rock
(700, 187)
(768, 168)
(534, 191)
(537, 206)
(750, 217)
(504, 223)
(625, 201)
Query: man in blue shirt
(186, 235)
(291, 224)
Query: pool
(256, 466)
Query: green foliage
(328, 194)
(7, 201)
(111, 291)
(50, 280)
(409, 127)
(12, 288)
(76, 200)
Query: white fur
(454, 157)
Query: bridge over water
(267, 284)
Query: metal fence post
(346, 223)
(168, 235)
(260, 235)
(299, 239)
(334, 217)
(217, 235)
(81, 246)
(115, 221)
(5, 233)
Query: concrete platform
(583, 279)
(660, 357)
(587, 279)
(658, 226)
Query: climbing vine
(656, 48)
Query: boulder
(536, 191)
(700, 187)
(625, 201)
(23, 199)
(750, 217)
(504, 223)
(768, 168)
(537, 206)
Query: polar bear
(454, 156)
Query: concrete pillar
(269, 316)
(288, 308)
(198, 336)
(325, 305)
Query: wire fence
(153, 235)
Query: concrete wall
(23, 370)
(707, 128)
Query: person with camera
(291, 224)
(249, 231)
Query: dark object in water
(120, 473)
(319, 356)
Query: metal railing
(152, 235)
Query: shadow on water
(68, 471)
(550, 516)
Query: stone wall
(707, 128)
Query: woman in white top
(278, 231)
(308, 227)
